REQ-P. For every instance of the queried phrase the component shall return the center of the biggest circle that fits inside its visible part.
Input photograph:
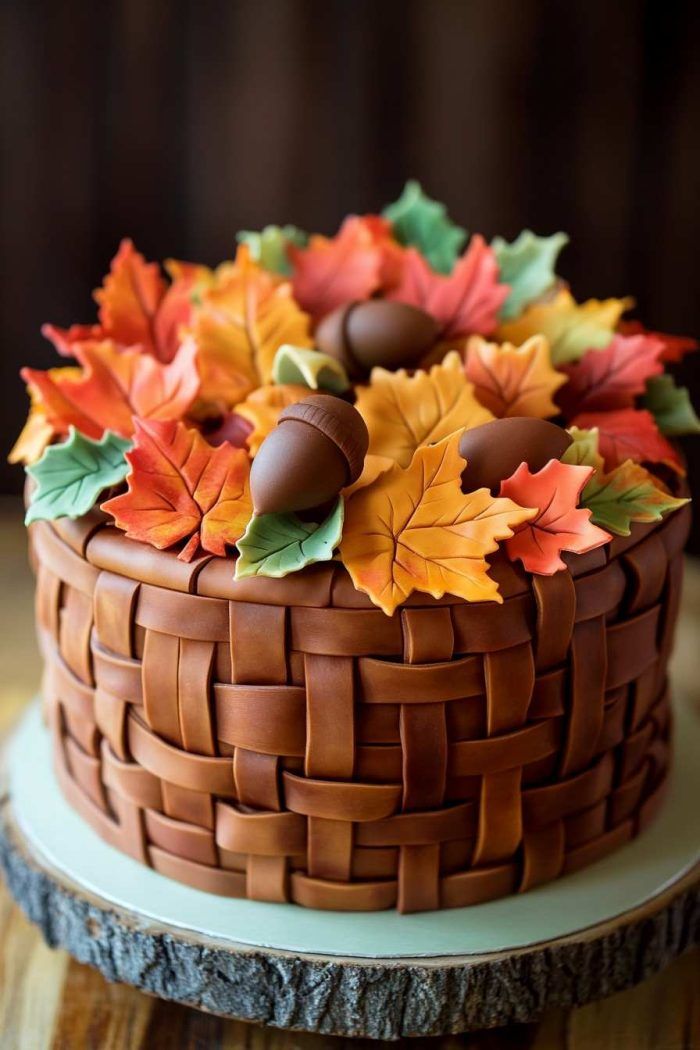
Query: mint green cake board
(634, 874)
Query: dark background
(179, 122)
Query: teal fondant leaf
(69, 477)
(269, 246)
(527, 265)
(671, 406)
(277, 544)
(318, 371)
(420, 222)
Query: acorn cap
(340, 422)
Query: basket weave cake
(283, 740)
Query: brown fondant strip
(159, 673)
(543, 854)
(257, 779)
(419, 878)
(500, 817)
(330, 717)
(329, 849)
(424, 747)
(193, 693)
(646, 566)
(510, 679)
(74, 633)
(267, 879)
(258, 643)
(556, 610)
(588, 675)
(114, 603)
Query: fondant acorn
(317, 448)
(376, 332)
(495, 450)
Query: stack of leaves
(168, 396)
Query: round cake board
(381, 974)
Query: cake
(358, 563)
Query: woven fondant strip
(284, 740)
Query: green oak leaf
(527, 265)
(629, 493)
(318, 371)
(69, 477)
(269, 246)
(671, 407)
(420, 222)
(277, 544)
(583, 450)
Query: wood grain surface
(49, 1001)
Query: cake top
(399, 396)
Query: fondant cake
(358, 563)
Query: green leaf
(277, 544)
(629, 493)
(527, 265)
(583, 450)
(671, 407)
(423, 223)
(269, 246)
(69, 477)
(297, 364)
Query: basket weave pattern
(283, 740)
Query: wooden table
(49, 1001)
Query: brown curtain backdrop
(177, 122)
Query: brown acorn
(317, 448)
(377, 332)
(495, 450)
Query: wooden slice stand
(419, 993)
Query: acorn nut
(376, 333)
(495, 450)
(317, 448)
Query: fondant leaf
(583, 450)
(629, 433)
(414, 529)
(571, 329)
(675, 346)
(277, 544)
(114, 387)
(182, 488)
(318, 371)
(419, 222)
(69, 477)
(513, 381)
(262, 409)
(63, 339)
(269, 246)
(35, 435)
(558, 524)
(243, 319)
(404, 412)
(129, 298)
(671, 406)
(527, 265)
(335, 270)
(628, 493)
(391, 253)
(611, 378)
(464, 303)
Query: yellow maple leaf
(262, 408)
(514, 380)
(33, 439)
(404, 412)
(570, 327)
(245, 314)
(414, 529)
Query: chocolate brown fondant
(495, 450)
(284, 740)
(376, 333)
(317, 447)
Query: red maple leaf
(560, 525)
(613, 377)
(629, 433)
(336, 270)
(114, 387)
(182, 488)
(675, 346)
(64, 339)
(466, 301)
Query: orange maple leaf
(513, 380)
(558, 525)
(466, 301)
(114, 387)
(264, 406)
(245, 315)
(182, 488)
(415, 529)
(403, 411)
(337, 270)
